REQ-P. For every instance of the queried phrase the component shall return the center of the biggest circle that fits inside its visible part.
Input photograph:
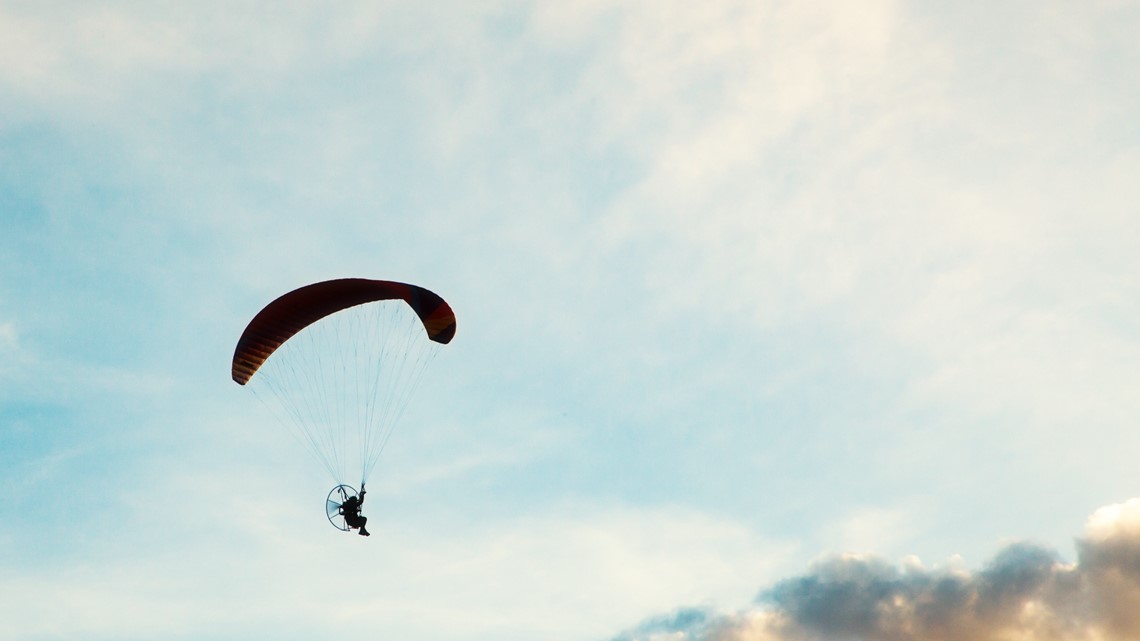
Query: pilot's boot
(364, 532)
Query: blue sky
(740, 286)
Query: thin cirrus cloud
(513, 578)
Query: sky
(776, 320)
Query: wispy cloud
(206, 561)
(1025, 592)
(9, 347)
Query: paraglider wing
(293, 312)
(337, 362)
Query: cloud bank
(1026, 592)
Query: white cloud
(191, 545)
(946, 202)
(89, 52)
(105, 52)
(802, 158)
(470, 450)
(15, 360)
(9, 340)
(1117, 521)
(873, 529)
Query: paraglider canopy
(338, 361)
(298, 309)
